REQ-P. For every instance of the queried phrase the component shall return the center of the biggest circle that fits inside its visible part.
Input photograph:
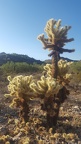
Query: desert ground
(67, 130)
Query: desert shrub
(75, 67)
(75, 70)
(17, 67)
(8, 67)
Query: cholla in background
(63, 71)
(63, 67)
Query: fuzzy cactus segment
(48, 69)
(56, 37)
(55, 32)
(46, 86)
(63, 67)
(19, 86)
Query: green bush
(21, 67)
(75, 70)
(75, 67)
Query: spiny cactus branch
(61, 51)
(51, 46)
(67, 40)
(57, 36)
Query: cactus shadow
(67, 126)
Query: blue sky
(21, 21)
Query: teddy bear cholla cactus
(23, 88)
(57, 37)
(47, 89)
(55, 41)
(19, 87)
(52, 91)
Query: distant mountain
(4, 58)
(69, 60)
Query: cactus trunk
(52, 106)
(54, 65)
(24, 111)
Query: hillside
(4, 58)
